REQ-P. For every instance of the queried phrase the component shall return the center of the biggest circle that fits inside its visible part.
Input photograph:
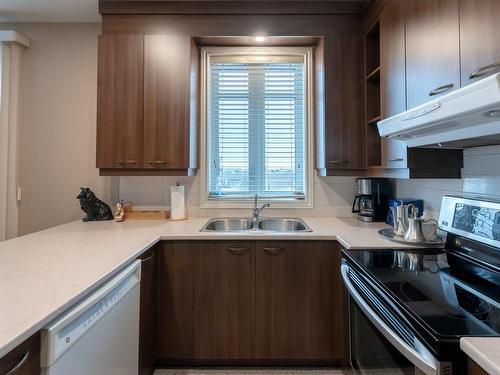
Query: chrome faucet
(257, 211)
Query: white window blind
(256, 127)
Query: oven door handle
(426, 363)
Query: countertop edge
(472, 347)
(42, 323)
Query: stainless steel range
(408, 309)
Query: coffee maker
(371, 201)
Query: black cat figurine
(95, 208)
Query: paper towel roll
(177, 203)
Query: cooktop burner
(437, 288)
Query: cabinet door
(224, 300)
(344, 132)
(175, 301)
(392, 78)
(120, 101)
(25, 358)
(479, 45)
(432, 49)
(167, 67)
(475, 369)
(147, 330)
(298, 301)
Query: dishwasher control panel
(74, 324)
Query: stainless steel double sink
(262, 225)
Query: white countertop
(485, 351)
(45, 273)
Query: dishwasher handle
(66, 330)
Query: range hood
(467, 117)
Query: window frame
(304, 52)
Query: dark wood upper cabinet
(120, 101)
(344, 133)
(392, 78)
(405, 78)
(147, 105)
(432, 49)
(175, 301)
(25, 357)
(298, 301)
(167, 101)
(148, 311)
(479, 45)
(224, 300)
(392, 59)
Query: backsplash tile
(480, 178)
(332, 196)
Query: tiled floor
(250, 372)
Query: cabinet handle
(21, 363)
(338, 162)
(157, 162)
(238, 250)
(481, 71)
(124, 163)
(396, 159)
(273, 250)
(147, 259)
(441, 89)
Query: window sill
(248, 204)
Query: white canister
(177, 202)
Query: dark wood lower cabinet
(224, 300)
(25, 358)
(250, 303)
(475, 369)
(298, 301)
(175, 302)
(147, 322)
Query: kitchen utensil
(419, 203)
(414, 232)
(400, 221)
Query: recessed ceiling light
(259, 39)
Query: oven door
(371, 352)
(381, 340)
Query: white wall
(480, 177)
(332, 196)
(58, 122)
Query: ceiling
(49, 11)
(63, 10)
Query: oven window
(371, 353)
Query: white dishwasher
(100, 335)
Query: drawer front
(23, 360)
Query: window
(257, 125)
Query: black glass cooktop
(438, 289)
